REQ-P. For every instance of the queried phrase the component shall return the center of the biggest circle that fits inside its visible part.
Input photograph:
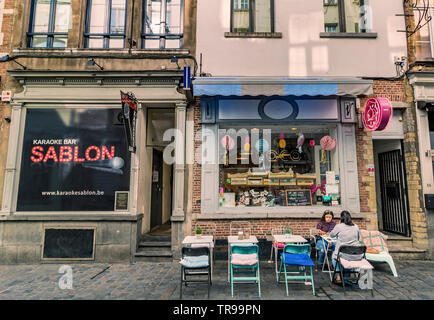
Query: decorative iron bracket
(422, 7)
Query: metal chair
(275, 245)
(313, 238)
(244, 257)
(297, 255)
(351, 267)
(195, 262)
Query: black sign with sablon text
(73, 159)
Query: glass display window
(277, 166)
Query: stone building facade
(419, 87)
(79, 56)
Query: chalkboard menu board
(75, 244)
(298, 197)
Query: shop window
(278, 166)
(79, 162)
(49, 23)
(252, 15)
(348, 16)
(162, 24)
(105, 24)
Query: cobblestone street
(161, 281)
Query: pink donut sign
(377, 114)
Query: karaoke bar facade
(76, 189)
(277, 153)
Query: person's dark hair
(346, 218)
(326, 213)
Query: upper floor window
(105, 24)
(348, 16)
(422, 41)
(49, 23)
(162, 24)
(252, 15)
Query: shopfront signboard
(72, 160)
(129, 113)
(377, 114)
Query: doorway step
(154, 248)
(401, 248)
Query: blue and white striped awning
(250, 86)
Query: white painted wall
(300, 52)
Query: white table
(284, 239)
(207, 241)
(234, 240)
(328, 240)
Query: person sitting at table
(347, 233)
(323, 228)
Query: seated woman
(324, 227)
(348, 234)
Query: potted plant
(287, 231)
(198, 232)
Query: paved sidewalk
(160, 281)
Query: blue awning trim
(217, 90)
(253, 86)
(311, 89)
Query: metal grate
(393, 193)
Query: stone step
(155, 238)
(151, 255)
(396, 240)
(158, 244)
(406, 253)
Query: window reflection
(106, 25)
(160, 33)
(49, 29)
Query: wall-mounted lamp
(6, 58)
(175, 59)
(90, 63)
(8, 119)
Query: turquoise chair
(241, 267)
(297, 255)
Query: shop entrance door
(394, 193)
(157, 189)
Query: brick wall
(263, 227)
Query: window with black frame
(105, 24)
(162, 24)
(348, 16)
(252, 15)
(49, 23)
